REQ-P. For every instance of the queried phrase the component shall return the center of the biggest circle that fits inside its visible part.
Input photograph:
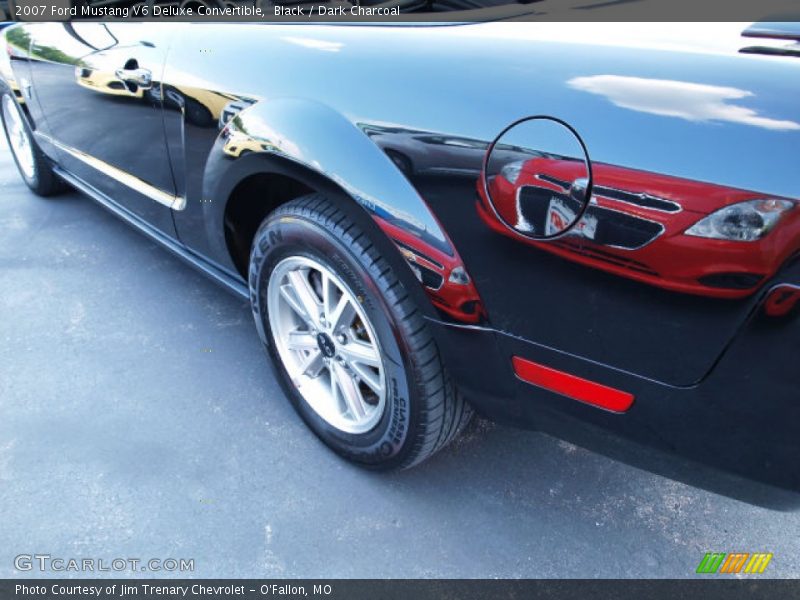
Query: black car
(579, 229)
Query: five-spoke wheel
(34, 167)
(351, 348)
(327, 344)
(18, 137)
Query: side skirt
(231, 283)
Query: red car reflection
(443, 276)
(673, 233)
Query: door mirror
(537, 177)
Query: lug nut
(341, 338)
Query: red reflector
(571, 386)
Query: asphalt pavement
(139, 419)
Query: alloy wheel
(18, 137)
(327, 344)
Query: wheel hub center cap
(326, 345)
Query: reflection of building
(231, 109)
(682, 235)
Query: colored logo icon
(737, 562)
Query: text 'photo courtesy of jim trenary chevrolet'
(461, 292)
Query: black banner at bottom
(381, 589)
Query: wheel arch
(275, 151)
(261, 183)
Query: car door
(98, 87)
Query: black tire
(44, 181)
(423, 410)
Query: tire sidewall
(387, 444)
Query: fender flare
(315, 145)
(314, 136)
(320, 147)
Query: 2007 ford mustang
(586, 229)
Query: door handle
(141, 77)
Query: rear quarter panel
(679, 101)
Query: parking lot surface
(139, 419)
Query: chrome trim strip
(123, 177)
(598, 190)
(564, 185)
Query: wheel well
(249, 203)
(260, 193)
